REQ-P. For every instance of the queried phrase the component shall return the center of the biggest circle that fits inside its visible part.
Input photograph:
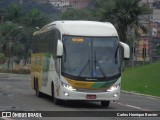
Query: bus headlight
(67, 86)
(112, 88)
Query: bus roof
(82, 28)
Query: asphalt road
(16, 95)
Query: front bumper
(66, 94)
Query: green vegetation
(16, 28)
(124, 14)
(10, 43)
(2, 58)
(74, 14)
(145, 79)
(158, 50)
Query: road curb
(140, 94)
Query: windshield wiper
(102, 71)
(100, 68)
(65, 57)
(85, 66)
(116, 54)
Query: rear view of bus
(88, 62)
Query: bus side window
(34, 44)
(54, 35)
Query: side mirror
(59, 48)
(126, 50)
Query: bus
(78, 60)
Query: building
(147, 48)
(79, 4)
(59, 3)
(62, 4)
(155, 7)
(42, 1)
(65, 4)
(147, 45)
(38, 1)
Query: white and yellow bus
(78, 60)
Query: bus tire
(105, 104)
(55, 100)
(38, 93)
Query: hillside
(145, 79)
(28, 5)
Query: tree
(2, 58)
(15, 13)
(123, 14)
(35, 18)
(10, 44)
(31, 21)
(2, 15)
(17, 42)
(74, 14)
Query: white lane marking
(131, 106)
(134, 107)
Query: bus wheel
(55, 100)
(38, 93)
(105, 104)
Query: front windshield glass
(90, 57)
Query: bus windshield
(90, 57)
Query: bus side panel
(32, 71)
(49, 74)
(36, 69)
